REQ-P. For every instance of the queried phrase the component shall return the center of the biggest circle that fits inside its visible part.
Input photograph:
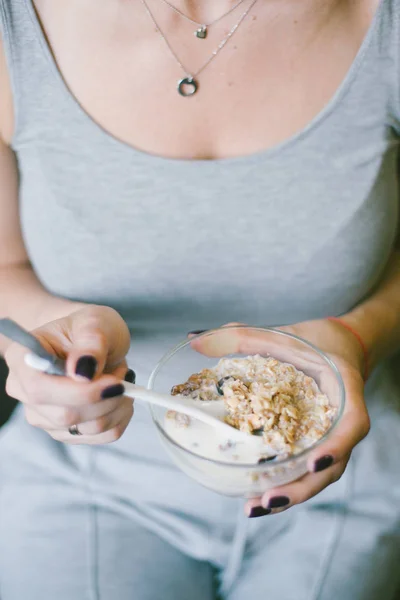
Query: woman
(262, 189)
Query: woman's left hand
(328, 462)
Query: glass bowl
(203, 351)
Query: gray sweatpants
(122, 523)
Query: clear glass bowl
(204, 351)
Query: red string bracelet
(360, 341)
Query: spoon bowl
(209, 412)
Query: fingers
(351, 429)
(95, 341)
(50, 416)
(247, 340)
(26, 384)
(54, 418)
(113, 432)
(98, 333)
(99, 423)
(299, 491)
(109, 421)
(326, 463)
(89, 349)
(225, 342)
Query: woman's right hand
(94, 341)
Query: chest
(283, 237)
(279, 69)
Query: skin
(100, 46)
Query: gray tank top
(299, 231)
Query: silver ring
(73, 430)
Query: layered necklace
(188, 85)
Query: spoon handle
(49, 363)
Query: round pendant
(187, 86)
(201, 32)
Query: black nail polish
(259, 511)
(113, 391)
(197, 332)
(130, 376)
(323, 463)
(86, 366)
(278, 502)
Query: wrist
(377, 319)
(375, 322)
(359, 349)
(334, 339)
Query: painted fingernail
(197, 332)
(278, 502)
(86, 367)
(323, 463)
(259, 511)
(130, 376)
(113, 391)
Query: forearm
(25, 300)
(377, 320)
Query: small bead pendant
(201, 32)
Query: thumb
(100, 340)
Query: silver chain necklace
(202, 28)
(190, 80)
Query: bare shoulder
(6, 100)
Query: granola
(264, 395)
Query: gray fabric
(299, 231)
(74, 524)
(93, 554)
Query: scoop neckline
(265, 154)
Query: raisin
(258, 431)
(221, 383)
(265, 459)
